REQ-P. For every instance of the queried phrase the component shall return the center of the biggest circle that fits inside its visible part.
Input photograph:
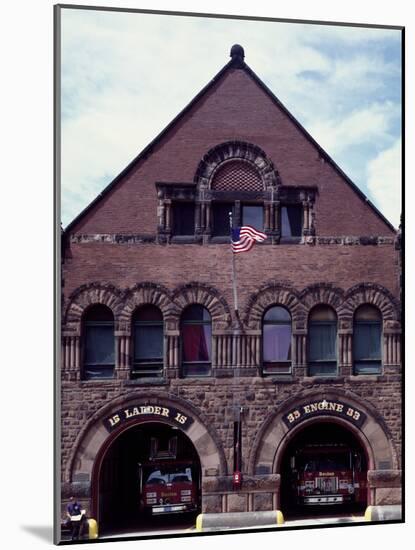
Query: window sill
(184, 239)
(220, 239)
(324, 379)
(280, 378)
(100, 381)
(150, 381)
(365, 377)
(188, 380)
(290, 240)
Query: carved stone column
(306, 220)
(392, 344)
(198, 218)
(277, 216)
(208, 218)
(122, 354)
(299, 355)
(168, 216)
(161, 212)
(70, 360)
(345, 342)
(268, 225)
(172, 353)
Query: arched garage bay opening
(136, 481)
(323, 472)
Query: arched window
(276, 341)
(367, 338)
(322, 341)
(99, 348)
(147, 342)
(196, 337)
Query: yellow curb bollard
(199, 523)
(92, 528)
(280, 517)
(368, 513)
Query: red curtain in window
(196, 343)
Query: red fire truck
(168, 487)
(329, 474)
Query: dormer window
(234, 176)
(220, 221)
(291, 221)
(253, 215)
(183, 219)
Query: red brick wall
(234, 108)
(172, 265)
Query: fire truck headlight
(351, 489)
(186, 492)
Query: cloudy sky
(126, 75)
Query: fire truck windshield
(340, 462)
(173, 474)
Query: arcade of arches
(105, 469)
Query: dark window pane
(322, 342)
(368, 367)
(195, 313)
(322, 369)
(196, 369)
(277, 343)
(183, 218)
(148, 342)
(221, 226)
(368, 313)
(291, 221)
(147, 314)
(99, 372)
(99, 312)
(99, 345)
(253, 215)
(197, 341)
(279, 314)
(367, 341)
(323, 313)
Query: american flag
(243, 238)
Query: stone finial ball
(237, 51)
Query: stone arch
(273, 294)
(272, 438)
(143, 294)
(209, 297)
(236, 150)
(94, 436)
(373, 294)
(323, 294)
(87, 295)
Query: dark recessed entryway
(323, 473)
(154, 451)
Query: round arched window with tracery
(237, 175)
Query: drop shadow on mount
(43, 532)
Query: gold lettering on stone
(114, 420)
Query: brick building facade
(155, 237)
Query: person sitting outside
(76, 518)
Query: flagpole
(236, 403)
(235, 294)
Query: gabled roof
(237, 61)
